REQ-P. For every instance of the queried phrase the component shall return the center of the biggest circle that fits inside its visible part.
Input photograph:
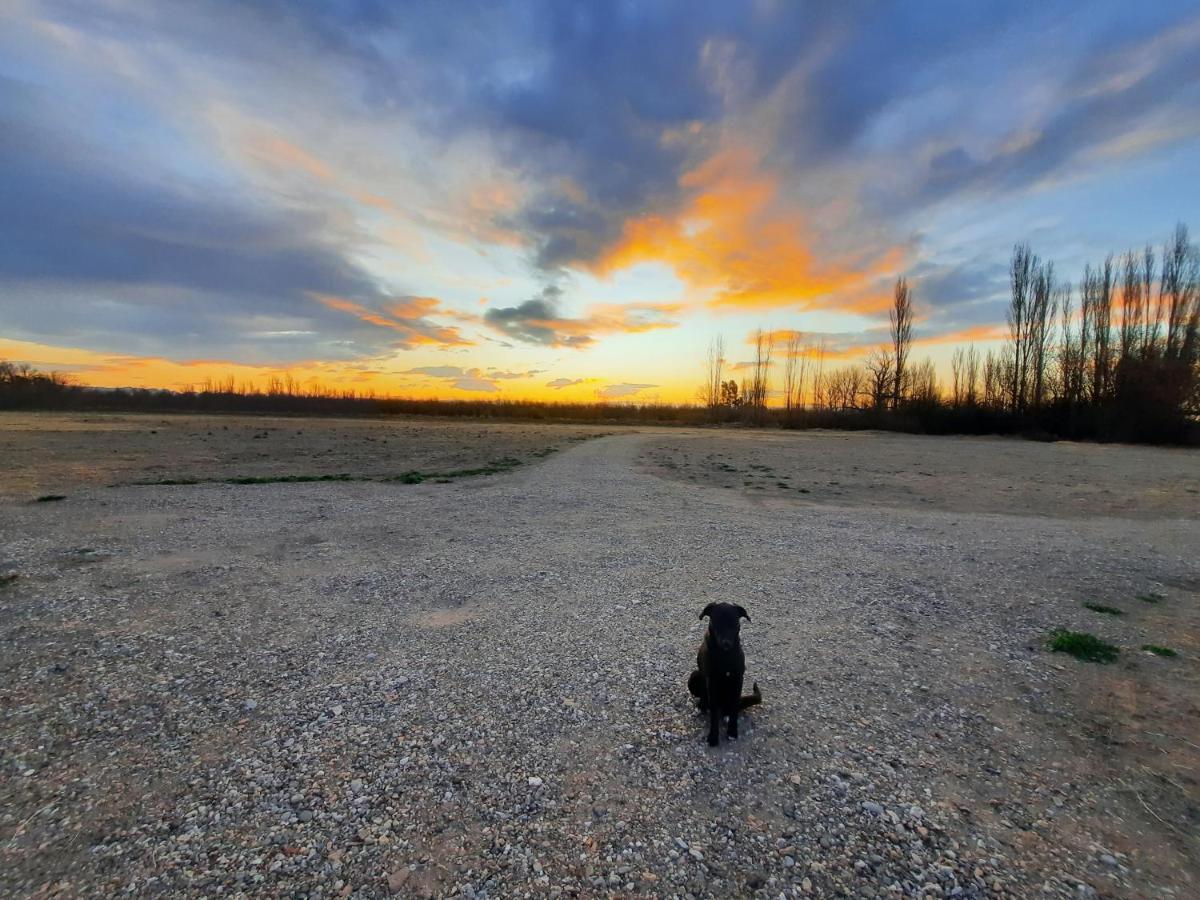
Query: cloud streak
(538, 321)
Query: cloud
(538, 321)
(226, 182)
(406, 317)
(614, 391)
(559, 383)
(735, 242)
(120, 251)
(474, 380)
(435, 371)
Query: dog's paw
(733, 735)
(713, 740)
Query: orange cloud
(281, 153)
(406, 316)
(735, 241)
(967, 335)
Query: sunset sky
(561, 200)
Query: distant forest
(1122, 362)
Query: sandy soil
(478, 687)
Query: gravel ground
(479, 688)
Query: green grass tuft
(1101, 608)
(1083, 646)
(7, 578)
(1151, 598)
(50, 498)
(1159, 650)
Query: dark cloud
(537, 321)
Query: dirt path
(478, 688)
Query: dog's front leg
(714, 716)
(735, 702)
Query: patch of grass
(495, 467)
(1083, 646)
(1101, 608)
(50, 498)
(290, 479)
(1159, 650)
(1151, 598)
(8, 578)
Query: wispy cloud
(475, 380)
(616, 391)
(405, 316)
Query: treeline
(1121, 363)
(24, 388)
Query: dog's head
(724, 623)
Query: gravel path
(478, 689)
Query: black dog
(720, 668)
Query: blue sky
(560, 199)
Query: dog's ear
(707, 610)
(742, 614)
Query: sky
(561, 200)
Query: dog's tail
(754, 699)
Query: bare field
(475, 686)
(48, 453)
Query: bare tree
(1072, 358)
(964, 375)
(923, 383)
(790, 369)
(714, 370)
(880, 383)
(843, 387)
(900, 317)
(760, 381)
(802, 375)
(1180, 290)
(1132, 310)
(1042, 312)
(1096, 327)
(1152, 316)
(1021, 274)
(819, 399)
(995, 384)
(972, 375)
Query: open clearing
(477, 687)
